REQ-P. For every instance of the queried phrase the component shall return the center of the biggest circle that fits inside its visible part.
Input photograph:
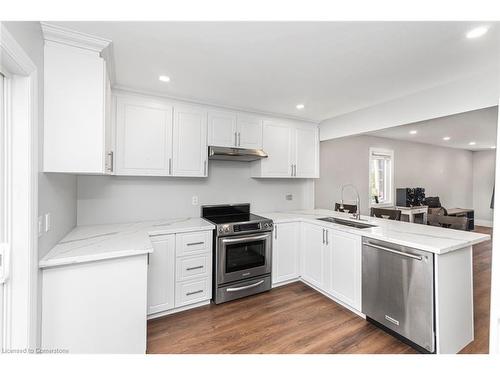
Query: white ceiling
(478, 126)
(331, 67)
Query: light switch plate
(194, 200)
(48, 222)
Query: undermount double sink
(349, 223)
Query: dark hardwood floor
(297, 319)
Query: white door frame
(20, 299)
(495, 264)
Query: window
(381, 177)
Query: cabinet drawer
(188, 268)
(193, 243)
(188, 292)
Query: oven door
(243, 257)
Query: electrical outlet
(48, 222)
(40, 225)
(289, 197)
(194, 200)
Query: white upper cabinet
(306, 155)
(230, 129)
(249, 131)
(277, 143)
(143, 137)
(77, 135)
(222, 129)
(293, 150)
(190, 153)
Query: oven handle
(245, 287)
(244, 239)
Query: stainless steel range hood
(235, 154)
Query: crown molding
(60, 34)
(104, 47)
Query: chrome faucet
(357, 214)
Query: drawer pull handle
(245, 287)
(194, 268)
(195, 243)
(195, 292)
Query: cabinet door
(277, 141)
(313, 254)
(285, 252)
(109, 167)
(74, 113)
(346, 268)
(249, 132)
(306, 152)
(222, 129)
(161, 275)
(143, 137)
(190, 151)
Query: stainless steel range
(243, 248)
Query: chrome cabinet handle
(291, 173)
(323, 236)
(239, 139)
(245, 287)
(111, 161)
(326, 237)
(194, 268)
(407, 255)
(205, 168)
(275, 232)
(295, 170)
(195, 243)
(235, 139)
(170, 166)
(195, 292)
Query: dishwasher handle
(403, 254)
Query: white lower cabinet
(285, 256)
(180, 271)
(346, 268)
(315, 255)
(161, 284)
(331, 262)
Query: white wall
(479, 90)
(56, 193)
(442, 171)
(483, 168)
(110, 199)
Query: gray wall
(109, 199)
(56, 193)
(483, 165)
(443, 171)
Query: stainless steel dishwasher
(398, 291)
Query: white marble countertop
(428, 238)
(88, 243)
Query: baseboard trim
(483, 223)
(178, 309)
(281, 283)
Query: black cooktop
(227, 219)
(229, 213)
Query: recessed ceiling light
(300, 106)
(446, 138)
(413, 132)
(164, 78)
(477, 32)
(472, 143)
